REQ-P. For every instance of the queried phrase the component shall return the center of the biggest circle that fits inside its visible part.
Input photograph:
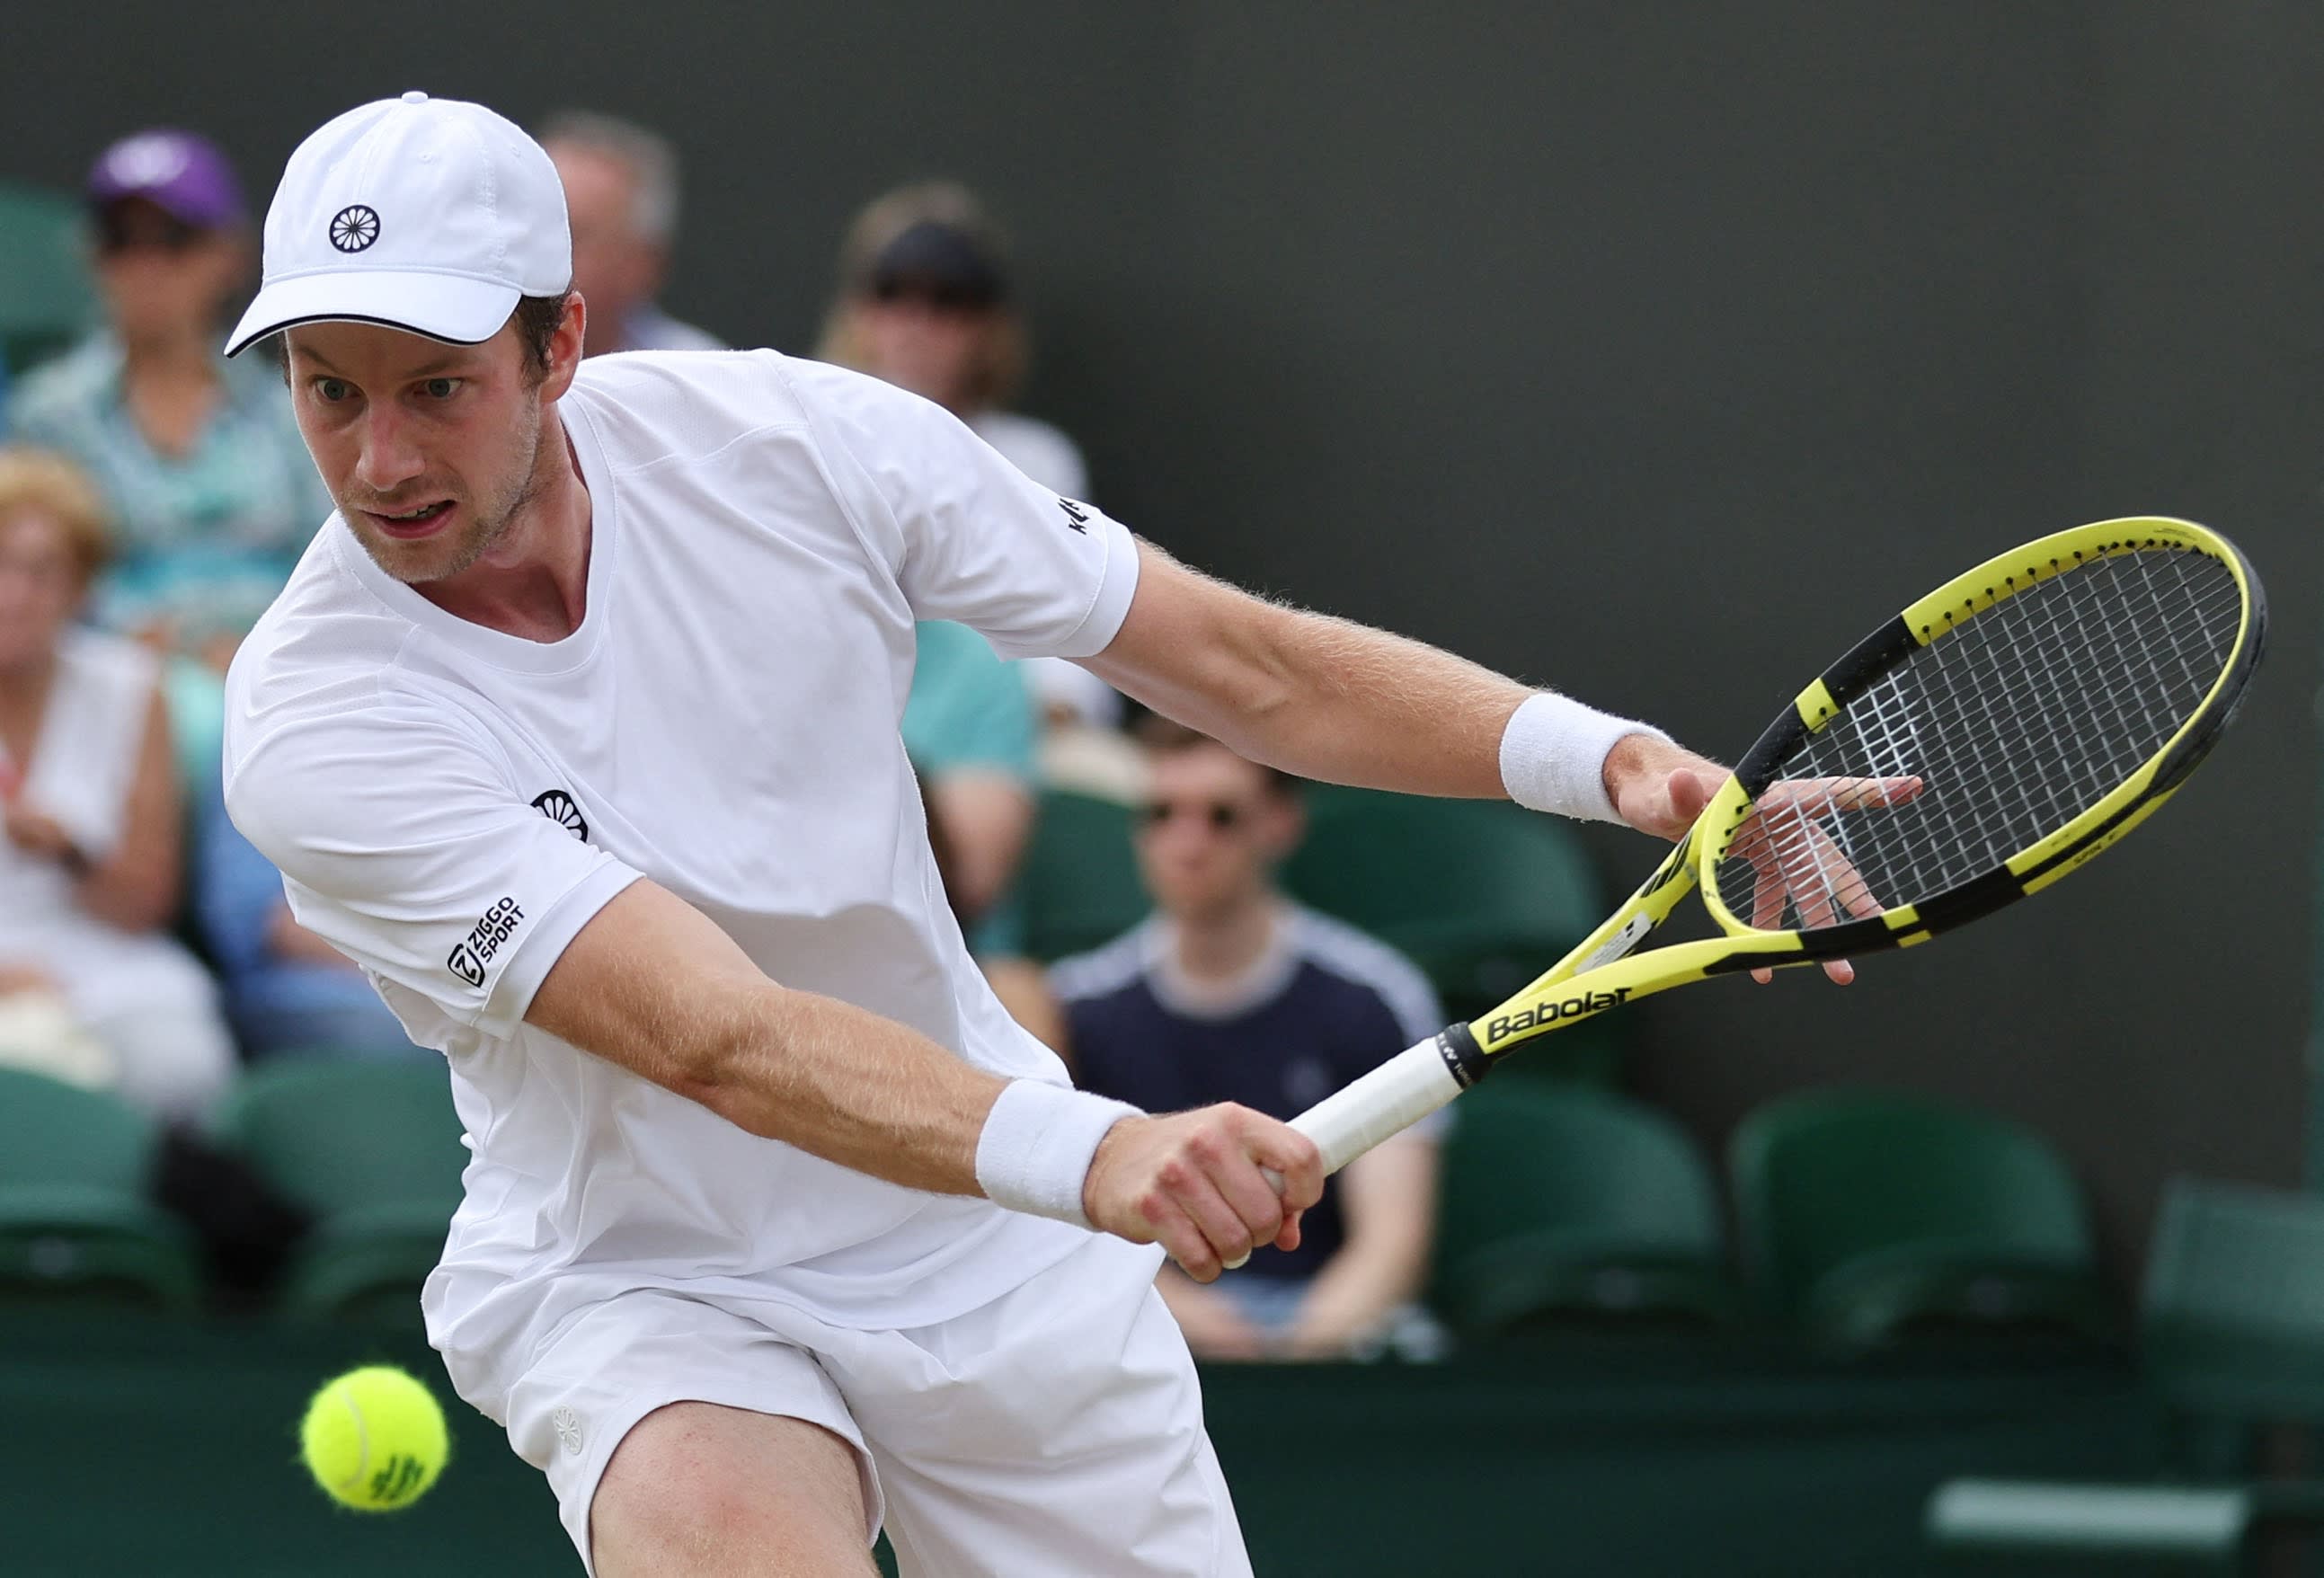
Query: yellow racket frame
(1597, 975)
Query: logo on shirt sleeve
(471, 952)
(1076, 515)
(557, 806)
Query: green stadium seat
(1564, 1205)
(45, 298)
(1079, 883)
(75, 1223)
(374, 1150)
(2231, 1324)
(1482, 896)
(1866, 1214)
(2232, 1313)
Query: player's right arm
(652, 983)
(404, 844)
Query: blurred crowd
(155, 497)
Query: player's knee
(687, 1492)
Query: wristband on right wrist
(1034, 1153)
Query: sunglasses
(1222, 815)
(119, 233)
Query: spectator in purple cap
(199, 459)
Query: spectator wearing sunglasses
(1233, 992)
(210, 488)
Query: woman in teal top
(200, 459)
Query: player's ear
(565, 347)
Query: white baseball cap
(422, 214)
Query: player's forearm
(651, 984)
(849, 1085)
(1349, 704)
(1330, 699)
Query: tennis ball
(374, 1439)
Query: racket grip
(1388, 1101)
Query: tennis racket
(1975, 749)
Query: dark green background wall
(1589, 339)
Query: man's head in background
(1214, 825)
(171, 236)
(620, 198)
(924, 300)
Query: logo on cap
(354, 228)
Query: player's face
(1210, 831)
(430, 449)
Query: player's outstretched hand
(1192, 1183)
(1796, 861)
(1661, 788)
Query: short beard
(489, 529)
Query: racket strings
(2015, 722)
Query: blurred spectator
(970, 730)
(287, 990)
(89, 805)
(211, 491)
(621, 199)
(1232, 992)
(1083, 750)
(925, 302)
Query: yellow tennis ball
(374, 1439)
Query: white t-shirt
(449, 806)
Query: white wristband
(1036, 1148)
(1553, 756)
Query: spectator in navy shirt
(1232, 992)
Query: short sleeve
(969, 537)
(402, 844)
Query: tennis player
(577, 729)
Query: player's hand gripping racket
(1973, 749)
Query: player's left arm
(1330, 699)
(1388, 1200)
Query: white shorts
(1057, 1431)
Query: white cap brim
(443, 307)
